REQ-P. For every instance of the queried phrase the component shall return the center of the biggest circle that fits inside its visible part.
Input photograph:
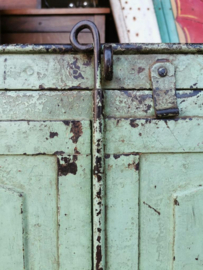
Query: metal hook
(97, 144)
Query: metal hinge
(164, 90)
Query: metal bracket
(164, 90)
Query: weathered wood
(152, 135)
(76, 71)
(55, 11)
(49, 138)
(33, 24)
(132, 104)
(75, 216)
(43, 38)
(132, 72)
(122, 217)
(170, 222)
(67, 71)
(37, 178)
(11, 222)
(10, 4)
(45, 105)
(47, 24)
(77, 105)
(140, 21)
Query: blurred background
(124, 21)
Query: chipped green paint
(76, 72)
(153, 167)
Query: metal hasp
(164, 89)
(97, 144)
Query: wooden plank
(75, 216)
(33, 24)
(140, 21)
(152, 135)
(166, 21)
(100, 22)
(132, 71)
(37, 178)
(44, 105)
(68, 105)
(10, 4)
(56, 11)
(43, 38)
(163, 177)
(122, 193)
(34, 138)
(139, 104)
(33, 72)
(69, 71)
(119, 21)
(11, 228)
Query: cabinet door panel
(170, 211)
(11, 225)
(122, 194)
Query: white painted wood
(137, 19)
(119, 21)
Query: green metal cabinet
(153, 166)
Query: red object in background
(190, 19)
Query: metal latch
(164, 89)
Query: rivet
(162, 71)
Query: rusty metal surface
(108, 62)
(97, 145)
(164, 89)
(121, 49)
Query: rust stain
(98, 258)
(53, 134)
(76, 151)
(68, 167)
(152, 208)
(134, 165)
(176, 202)
(133, 123)
(77, 131)
(140, 70)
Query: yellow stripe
(188, 35)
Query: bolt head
(162, 71)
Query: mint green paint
(166, 21)
(75, 230)
(188, 217)
(21, 137)
(153, 175)
(11, 222)
(122, 192)
(37, 178)
(170, 211)
(148, 135)
(40, 72)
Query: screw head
(162, 71)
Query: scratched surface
(152, 135)
(66, 71)
(171, 211)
